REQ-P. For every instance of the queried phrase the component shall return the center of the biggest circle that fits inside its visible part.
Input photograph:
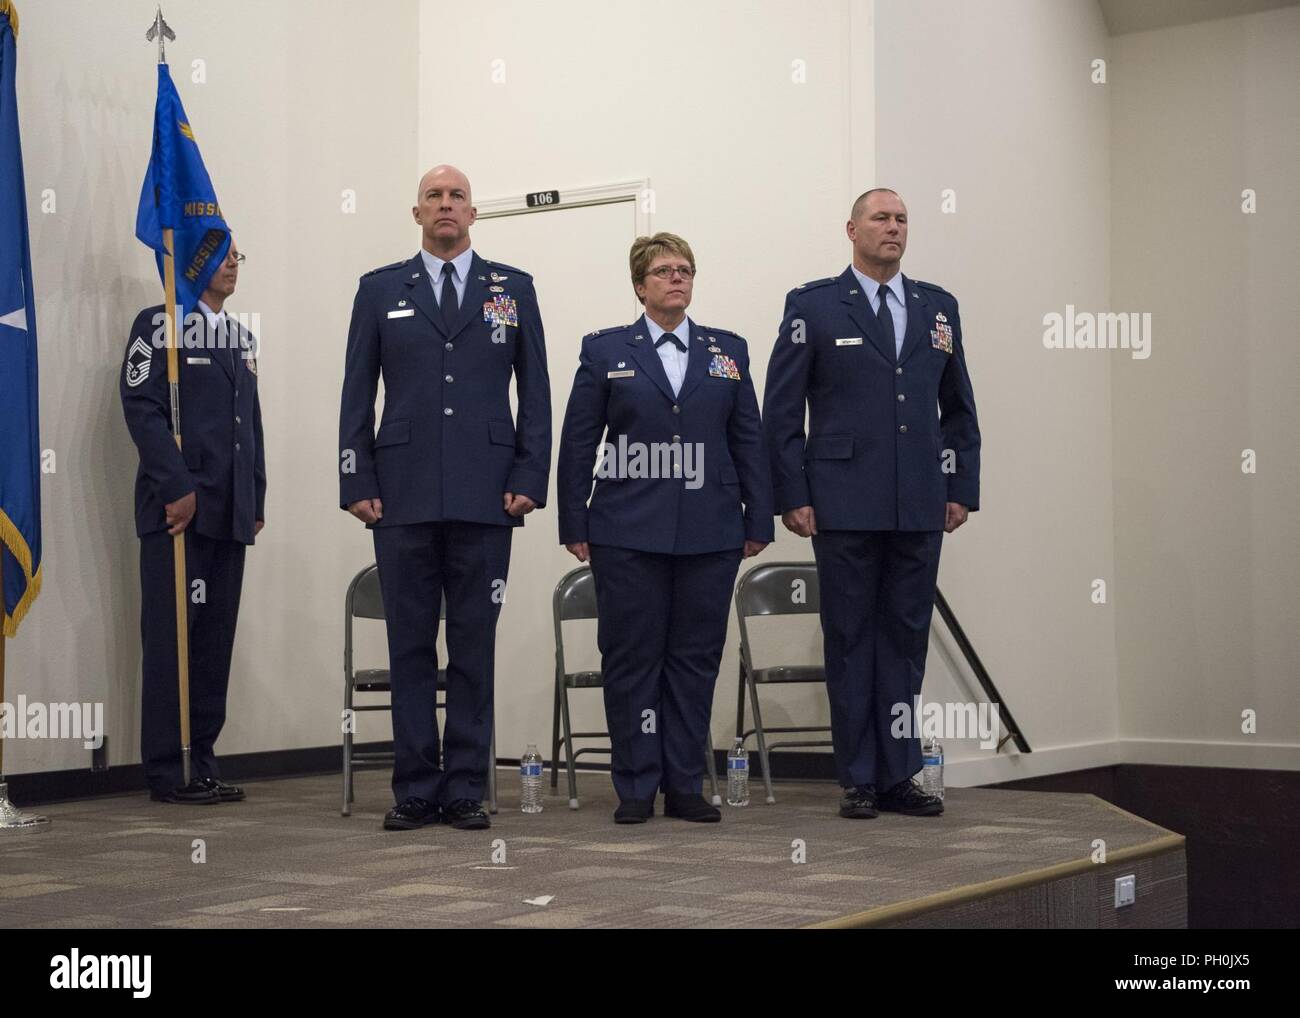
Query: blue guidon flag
(178, 193)
(20, 453)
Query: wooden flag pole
(178, 540)
(161, 31)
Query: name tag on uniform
(620, 374)
(198, 360)
(849, 341)
(402, 314)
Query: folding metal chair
(775, 588)
(365, 601)
(574, 599)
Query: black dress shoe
(634, 811)
(410, 813)
(691, 806)
(466, 815)
(224, 792)
(907, 798)
(196, 793)
(859, 803)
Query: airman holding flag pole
(20, 473)
(207, 493)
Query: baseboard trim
(787, 765)
(1273, 756)
(127, 779)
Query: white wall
(995, 102)
(301, 101)
(1208, 563)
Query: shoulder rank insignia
(138, 360)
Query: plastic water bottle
(932, 767)
(738, 775)
(530, 778)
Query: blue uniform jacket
(874, 456)
(622, 392)
(447, 447)
(222, 460)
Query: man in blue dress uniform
(443, 482)
(214, 490)
(890, 463)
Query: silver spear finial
(160, 30)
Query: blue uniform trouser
(662, 625)
(211, 624)
(877, 596)
(417, 564)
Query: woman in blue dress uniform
(682, 492)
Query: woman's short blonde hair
(646, 249)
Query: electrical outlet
(1125, 890)
(99, 756)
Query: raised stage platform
(285, 858)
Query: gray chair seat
(582, 680)
(790, 673)
(372, 680)
(379, 680)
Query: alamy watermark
(936, 720)
(1103, 330)
(192, 332)
(23, 720)
(674, 459)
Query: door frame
(632, 191)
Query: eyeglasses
(667, 271)
(238, 257)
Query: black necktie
(670, 337)
(886, 320)
(228, 352)
(447, 301)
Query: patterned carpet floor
(286, 858)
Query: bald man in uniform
(443, 482)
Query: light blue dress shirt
(897, 306)
(674, 360)
(459, 273)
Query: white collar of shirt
(459, 265)
(871, 289)
(682, 332)
(214, 318)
